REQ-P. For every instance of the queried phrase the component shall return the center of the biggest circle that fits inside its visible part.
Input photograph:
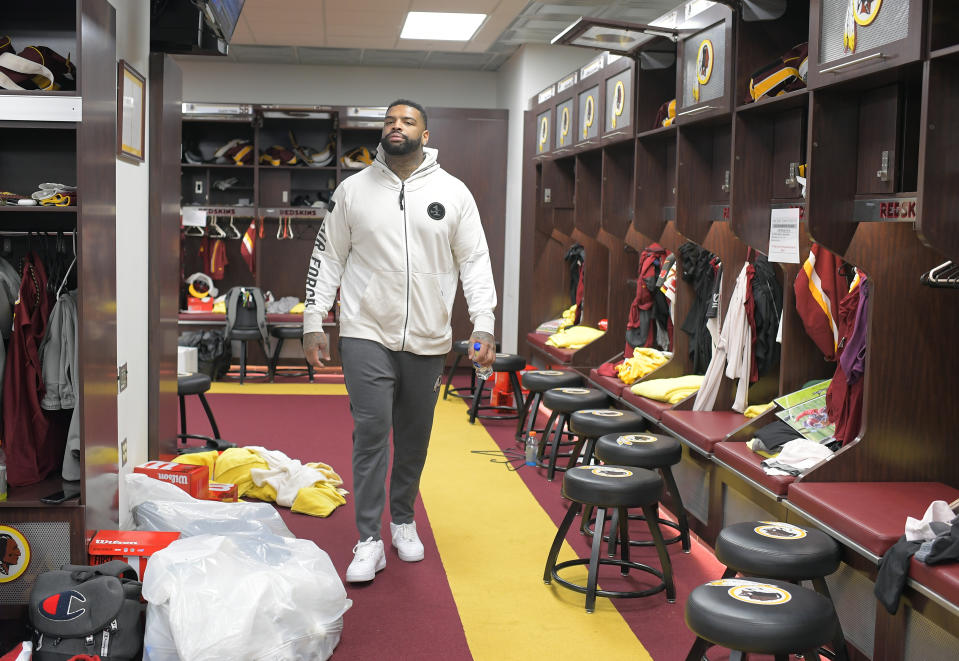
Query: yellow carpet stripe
(226, 388)
(493, 538)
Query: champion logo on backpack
(436, 211)
(63, 606)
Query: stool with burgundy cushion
(616, 488)
(759, 616)
(652, 451)
(537, 382)
(563, 402)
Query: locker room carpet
(479, 592)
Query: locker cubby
(877, 129)
(943, 27)
(655, 181)
(763, 42)
(770, 145)
(704, 71)
(557, 192)
(656, 85)
(205, 137)
(703, 172)
(52, 24)
(616, 208)
(888, 37)
(938, 193)
(350, 138)
(588, 191)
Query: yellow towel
(297, 309)
(757, 409)
(644, 361)
(669, 390)
(233, 467)
(575, 337)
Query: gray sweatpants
(388, 389)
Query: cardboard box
(192, 479)
(132, 546)
(194, 304)
(225, 493)
(186, 360)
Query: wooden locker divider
(704, 169)
(655, 181)
(617, 199)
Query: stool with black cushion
(782, 551)
(197, 384)
(537, 382)
(591, 424)
(461, 349)
(759, 616)
(505, 362)
(282, 333)
(652, 451)
(611, 488)
(563, 403)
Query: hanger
(69, 268)
(214, 229)
(945, 276)
(233, 232)
(284, 230)
(193, 230)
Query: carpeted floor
(479, 593)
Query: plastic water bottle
(481, 372)
(532, 448)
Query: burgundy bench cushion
(941, 579)
(610, 384)
(872, 514)
(737, 456)
(651, 407)
(703, 428)
(538, 341)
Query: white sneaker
(407, 542)
(368, 558)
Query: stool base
(589, 520)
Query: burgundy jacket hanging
(31, 455)
(643, 318)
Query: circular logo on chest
(436, 211)
(778, 530)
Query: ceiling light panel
(441, 26)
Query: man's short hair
(411, 104)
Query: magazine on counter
(804, 395)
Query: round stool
(652, 451)
(762, 616)
(617, 488)
(505, 362)
(783, 551)
(461, 348)
(563, 402)
(590, 424)
(537, 382)
(197, 384)
(283, 333)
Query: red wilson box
(192, 479)
(225, 493)
(132, 546)
(194, 304)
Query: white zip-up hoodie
(395, 250)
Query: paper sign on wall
(193, 218)
(784, 236)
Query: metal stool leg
(593, 577)
(623, 538)
(275, 358)
(209, 415)
(183, 417)
(840, 652)
(527, 419)
(698, 649)
(652, 522)
(449, 375)
(517, 394)
(571, 513)
(477, 396)
(681, 509)
(242, 361)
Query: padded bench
(870, 514)
(741, 459)
(538, 341)
(610, 384)
(651, 408)
(941, 579)
(704, 429)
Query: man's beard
(408, 146)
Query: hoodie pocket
(384, 300)
(430, 304)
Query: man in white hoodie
(397, 237)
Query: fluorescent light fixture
(441, 26)
(616, 37)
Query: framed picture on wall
(131, 113)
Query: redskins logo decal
(777, 530)
(63, 606)
(543, 131)
(611, 471)
(761, 594)
(607, 413)
(589, 110)
(866, 11)
(436, 211)
(575, 391)
(548, 372)
(619, 101)
(704, 62)
(632, 439)
(564, 125)
(14, 554)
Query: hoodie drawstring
(403, 197)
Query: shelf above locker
(45, 107)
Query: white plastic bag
(244, 597)
(157, 505)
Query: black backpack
(93, 610)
